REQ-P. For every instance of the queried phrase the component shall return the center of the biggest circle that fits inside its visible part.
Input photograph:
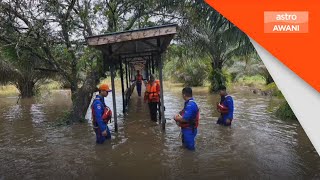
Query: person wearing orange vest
(188, 119)
(152, 96)
(138, 80)
(101, 115)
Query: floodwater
(258, 145)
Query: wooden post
(122, 88)
(152, 61)
(127, 81)
(150, 66)
(130, 73)
(147, 69)
(112, 68)
(163, 119)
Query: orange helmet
(104, 87)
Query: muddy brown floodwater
(258, 145)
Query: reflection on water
(257, 145)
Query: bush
(219, 77)
(190, 72)
(273, 90)
(285, 112)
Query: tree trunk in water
(217, 78)
(269, 79)
(82, 97)
(26, 88)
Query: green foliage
(184, 66)
(251, 80)
(273, 89)
(217, 78)
(248, 65)
(285, 112)
(67, 119)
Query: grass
(251, 81)
(51, 85)
(9, 90)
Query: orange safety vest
(151, 92)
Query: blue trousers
(223, 121)
(188, 138)
(99, 138)
(139, 88)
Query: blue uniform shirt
(190, 110)
(228, 102)
(98, 107)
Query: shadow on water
(257, 145)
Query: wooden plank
(129, 36)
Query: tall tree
(209, 31)
(54, 31)
(19, 71)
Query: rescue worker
(138, 79)
(152, 96)
(188, 119)
(101, 114)
(225, 107)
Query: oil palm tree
(20, 71)
(217, 37)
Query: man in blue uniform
(99, 110)
(188, 119)
(225, 107)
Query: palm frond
(8, 72)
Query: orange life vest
(152, 94)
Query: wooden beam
(165, 43)
(150, 44)
(130, 36)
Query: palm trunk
(26, 88)
(216, 78)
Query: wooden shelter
(125, 50)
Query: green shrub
(190, 72)
(64, 119)
(285, 112)
(273, 89)
(219, 77)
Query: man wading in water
(188, 119)
(101, 115)
(225, 107)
